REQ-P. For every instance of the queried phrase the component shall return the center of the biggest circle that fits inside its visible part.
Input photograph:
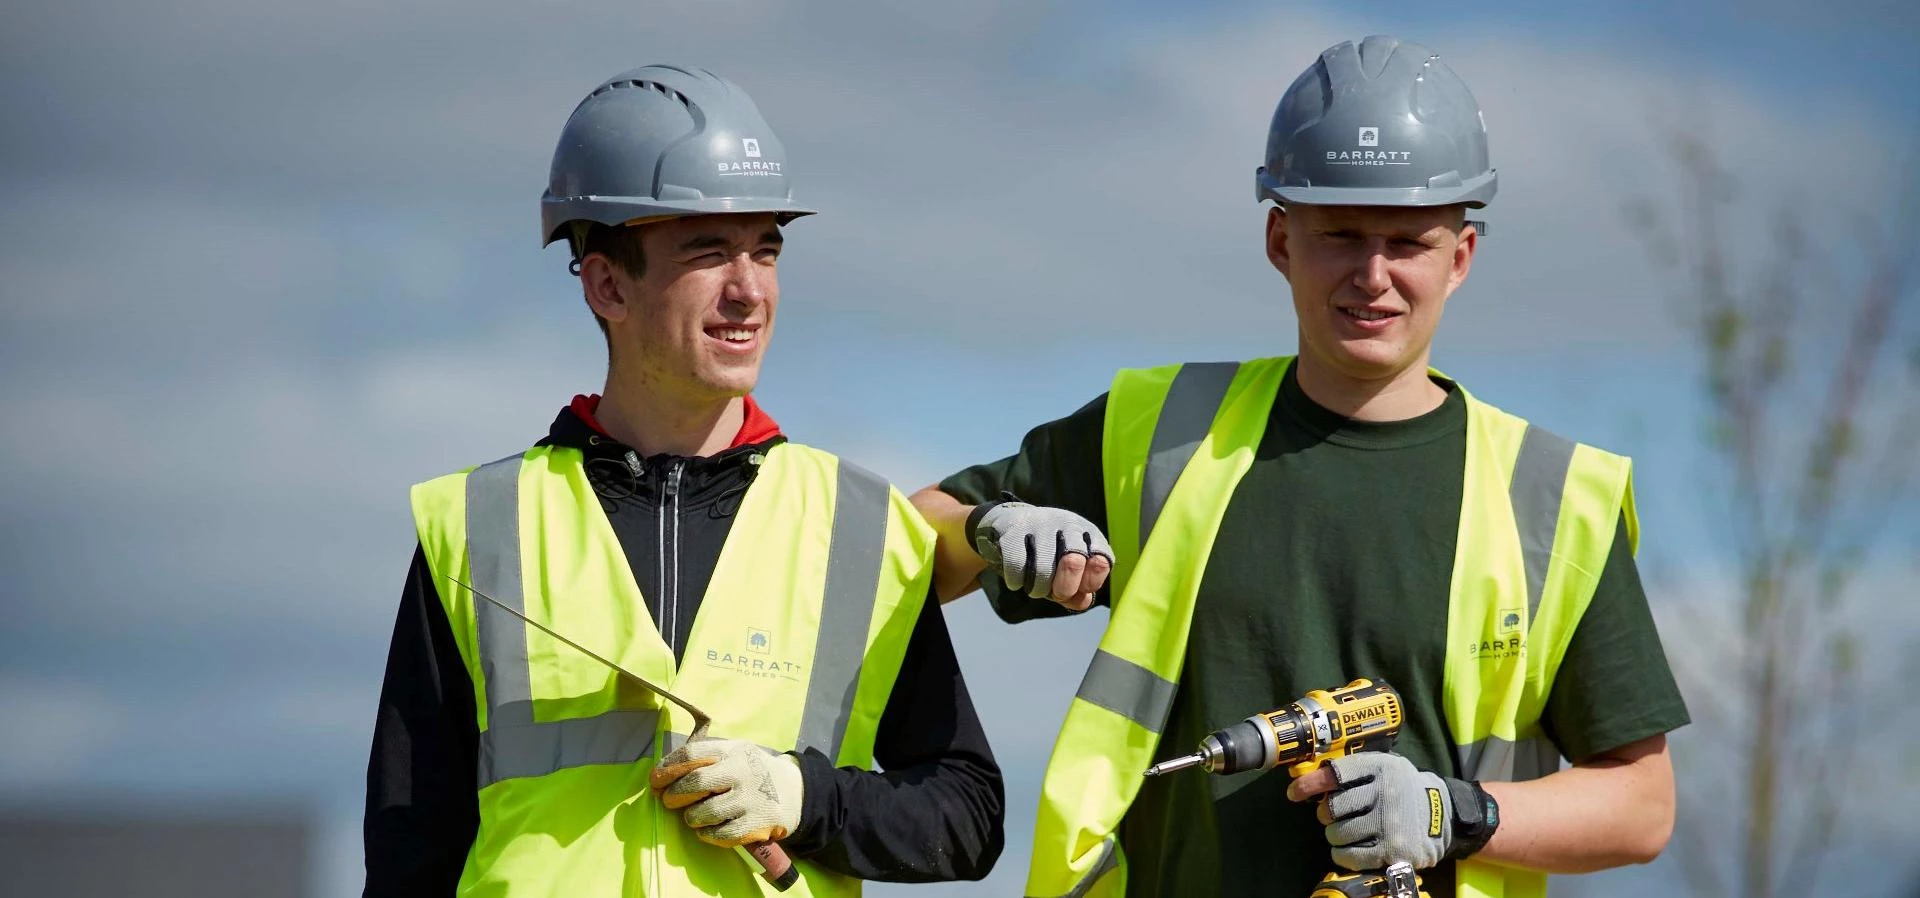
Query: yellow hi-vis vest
(1537, 520)
(795, 646)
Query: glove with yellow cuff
(731, 792)
(1385, 810)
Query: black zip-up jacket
(933, 814)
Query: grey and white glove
(1029, 546)
(1386, 810)
(731, 792)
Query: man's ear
(600, 280)
(1277, 250)
(1463, 250)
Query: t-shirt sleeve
(1614, 686)
(1058, 465)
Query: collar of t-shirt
(1294, 407)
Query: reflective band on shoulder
(854, 552)
(537, 749)
(1127, 689)
(1539, 483)
(1494, 759)
(1192, 400)
(493, 550)
(1109, 860)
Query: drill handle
(1371, 884)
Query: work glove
(1385, 810)
(1027, 544)
(731, 792)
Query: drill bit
(1179, 763)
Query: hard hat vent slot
(662, 89)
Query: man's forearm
(936, 813)
(956, 566)
(932, 822)
(1610, 811)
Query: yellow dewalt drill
(1304, 736)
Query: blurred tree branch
(1809, 366)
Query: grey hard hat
(662, 140)
(1383, 123)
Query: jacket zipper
(670, 590)
(668, 534)
(650, 872)
(670, 556)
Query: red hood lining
(757, 427)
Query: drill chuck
(1236, 748)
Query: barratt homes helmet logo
(753, 164)
(1369, 136)
(756, 657)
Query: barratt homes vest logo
(1507, 641)
(758, 657)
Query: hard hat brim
(1475, 193)
(557, 212)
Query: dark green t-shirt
(1333, 562)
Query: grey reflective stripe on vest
(857, 544)
(513, 745)
(1539, 482)
(1127, 689)
(1193, 399)
(1494, 759)
(493, 559)
(1109, 860)
(537, 749)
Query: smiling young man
(669, 526)
(1287, 524)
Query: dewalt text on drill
(1303, 737)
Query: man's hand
(733, 792)
(1379, 809)
(1046, 553)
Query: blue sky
(269, 264)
